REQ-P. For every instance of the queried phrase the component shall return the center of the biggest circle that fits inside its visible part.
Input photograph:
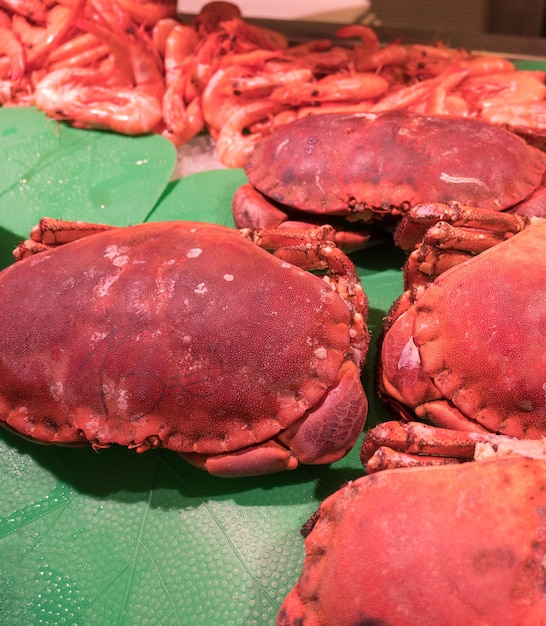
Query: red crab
(452, 545)
(464, 347)
(359, 168)
(186, 336)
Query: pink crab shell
(345, 163)
(450, 545)
(469, 353)
(178, 335)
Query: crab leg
(399, 444)
(387, 458)
(439, 236)
(309, 249)
(252, 210)
(421, 217)
(445, 246)
(314, 249)
(50, 232)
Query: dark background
(510, 17)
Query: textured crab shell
(331, 163)
(478, 334)
(183, 334)
(451, 545)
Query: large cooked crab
(464, 347)
(360, 168)
(187, 336)
(452, 545)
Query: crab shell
(364, 166)
(468, 352)
(451, 545)
(179, 335)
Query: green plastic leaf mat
(118, 538)
(530, 64)
(51, 169)
(205, 196)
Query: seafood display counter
(115, 537)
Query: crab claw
(321, 436)
(331, 429)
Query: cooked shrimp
(183, 117)
(60, 21)
(308, 47)
(333, 88)
(367, 35)
(146, 12)
(135, 60)
(12, 59)
(507, 88)
(252, 37)
(428, 61)
(5, 20)
(180, 44)
(235, 86)
(483, 65)
(33, 9)
(183, 122)
(334, 59)
(232, 145)
(392, 54)
(405, 97)
(74, 47)
(28, 33)
(86, 58)
(84, 98)
(161, 30)
(529, 114)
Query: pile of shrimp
(134, 67)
